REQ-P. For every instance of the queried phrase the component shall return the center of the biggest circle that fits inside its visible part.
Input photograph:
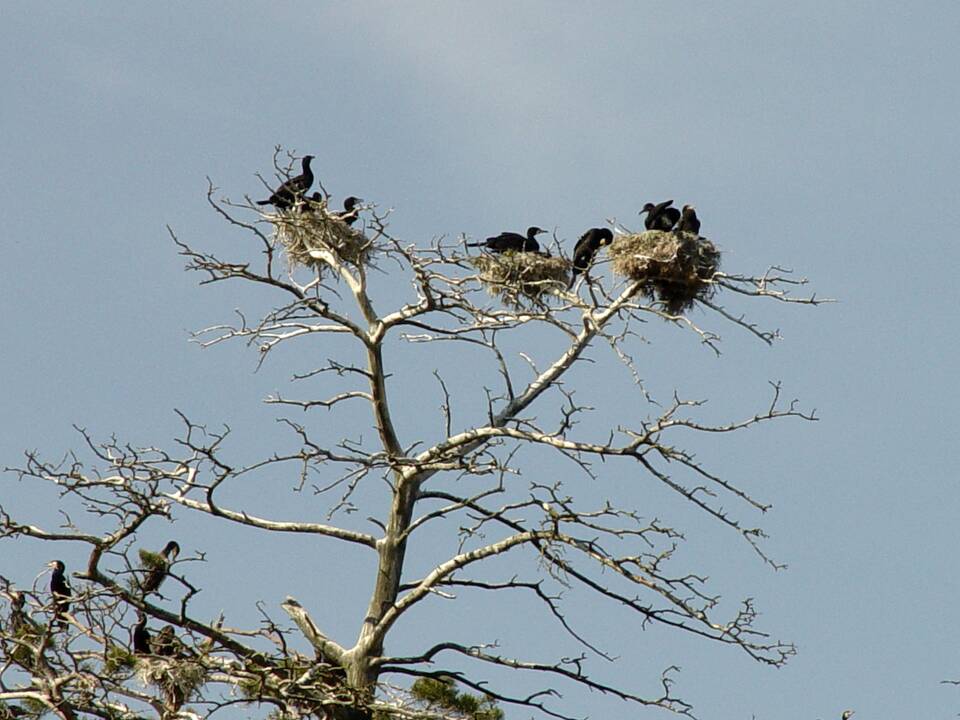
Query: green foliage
(8, 712)
(23, 646)
(151, 560)
(441, 694)
(33, 708)
(118, 658)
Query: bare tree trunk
(577, 535)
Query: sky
(815, 136)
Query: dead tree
(558, 536)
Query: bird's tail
(263, 202)
(477, 244)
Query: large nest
(675, 268)
(515, 276)
(177, 677)
(309, 229)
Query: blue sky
(817, 137)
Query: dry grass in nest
(515, 276)
(675, 267)
(175, 676)
(309, 228)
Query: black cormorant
(164, 642)
(350, 210)
(141, 636)
(158, 572)
(60, 590)
(167, 643)
(689, 222)
(314, 197)
(660, 217)
(847, 714)
(586, 248)
(512, 241)
(293, 189)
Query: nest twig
(515, 276)
(177, 678)
(309, 229)
(675, 268)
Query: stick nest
(675, 268)
(177, 677)
(308, 230)
(516, 276)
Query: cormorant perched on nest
(348, 215)
(350, 210)
(660, 217)
(285, 196)
(60, 590)
(512, 241)
(141, 636)
(689, 222)
(167, 644)
(586, 249)
(159, 567)
(164, 642)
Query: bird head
(532, 231)
(57, 565)
(647, 208)
(306, 161)
(171, 550)
(351, 202)
(605, 236)
(17, 598)
(847, 714)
